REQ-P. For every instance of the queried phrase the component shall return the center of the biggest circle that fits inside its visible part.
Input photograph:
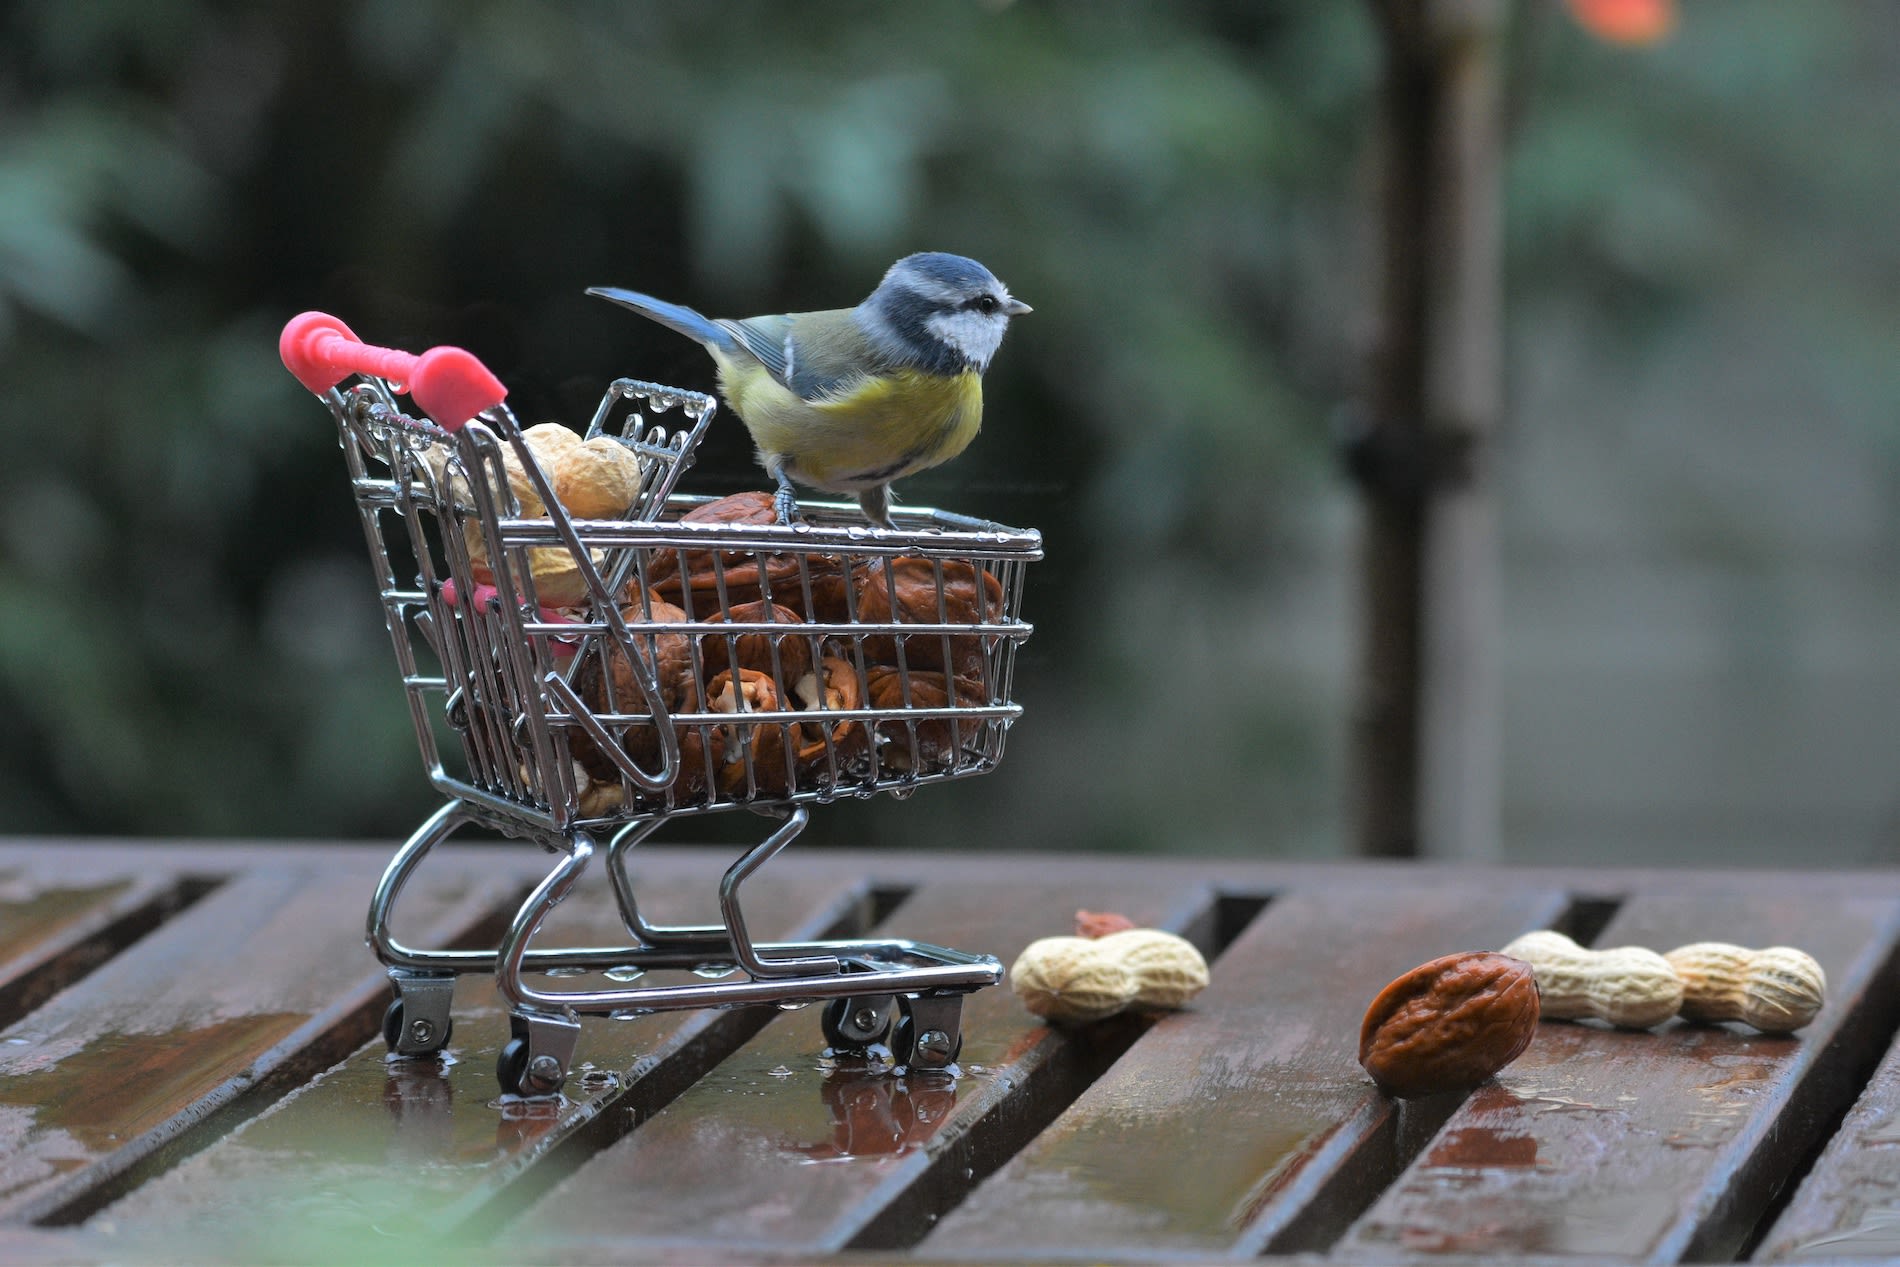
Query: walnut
(965, 596)
(761, 745)
(605, 682)
(672, 656)
(833, 687)
(746, 575)
(702, 757)
(663, 574)
(792, 660)
(939, 739)
(1449, 1024)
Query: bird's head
(945, 311)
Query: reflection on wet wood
(1254, 1096)
(235, 991)
(1652, 1145)
(403, 1151)
(779, 1151)
(198, 1077)
(58, 922)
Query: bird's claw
(785, 505)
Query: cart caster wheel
(924, 1050)
(423, 1041)
(527, 1078)
(854, 1024)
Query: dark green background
(188, 641)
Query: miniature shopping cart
(603, 676)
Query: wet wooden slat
(56, 925)
(1225, 1126)
(776, 1151)
(404, 1152)
(1848, 1206)
(1648, 1146)
(242, 988)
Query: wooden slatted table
(191, 1070)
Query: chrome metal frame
(480, 654)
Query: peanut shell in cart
(548, 440)
(557, 577)
(518, 489)
(596, 479)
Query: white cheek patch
(974, 334)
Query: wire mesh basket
(589, 654)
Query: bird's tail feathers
(677, 317)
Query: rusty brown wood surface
(61, 917)
(779, 1150)
(411, 1150)
(192, 1070)
(1849, 1204)
(246, 988)
(1658, 1145)
(1221, 1128)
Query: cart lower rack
(589, 655)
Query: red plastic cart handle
(449, 384)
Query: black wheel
(393, 1022)
(516, 1072)
(511, 1066)
(854, 1024)
(904, 1047)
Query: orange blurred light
(1625, 21)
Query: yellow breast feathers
(880, 430)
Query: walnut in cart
(1777, 990)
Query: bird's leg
(785, 501)
(876, 504)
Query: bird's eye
(986, 304)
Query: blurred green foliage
(188, 638)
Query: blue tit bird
(850, 399)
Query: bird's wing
(814, 355)
(765, 339)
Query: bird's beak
(1016, 307)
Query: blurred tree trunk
(1426, 731)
